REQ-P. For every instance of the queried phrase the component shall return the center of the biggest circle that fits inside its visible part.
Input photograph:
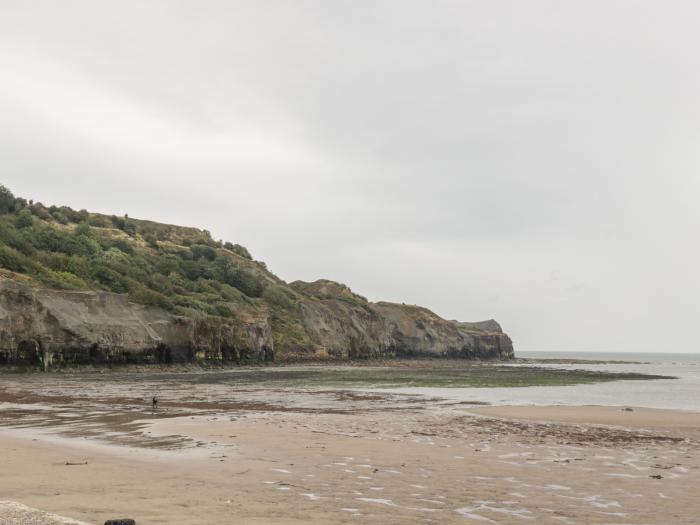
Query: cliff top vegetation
(183, 270)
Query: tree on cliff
(7, 200)
(238, 249)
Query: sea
(682, 393)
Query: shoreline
(260, 445)
(329, 363)
(390, 460)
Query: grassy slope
(180, 269)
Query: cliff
(61, 328)
(79, 288)
(55, 328)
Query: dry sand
(381, 459)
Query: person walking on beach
(154, 401)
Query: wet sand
(326, 456)
(634, 417)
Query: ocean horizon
(650, 357)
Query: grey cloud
(446, 153)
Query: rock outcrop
(346, 325)
(52, 328)
(55, 328)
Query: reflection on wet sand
(90, 447)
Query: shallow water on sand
(250, 448)
(680, 394)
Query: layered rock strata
(46, 329)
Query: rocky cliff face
(53, 328)
(344, 324)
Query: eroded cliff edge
(47, 328)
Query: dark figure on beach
(155, 402)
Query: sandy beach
(629, 417)
(270, 455)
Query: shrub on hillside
(7, 200)
(142, 295)
(109, 279)
(40, 211)
(223, 310)
(14, 261)
(129, 228)
(151, 240)
(199, 278)
(65, 281)
(246, 282)
(201, 250)
(60, 218)
(98, 221)
(119, 243)
(238, 250)
(279, 296)
(24, 219)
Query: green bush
(118, 222)
(167, 264)
(151, 240)
(119, 243)
(40, 211)
(16, 239)
(7, 200)
(203, 251)
(60, 218)
(280, 297)
(88, 247)
(68, 281)
(241, 250)
(98, 221)
(14, 261)
(109, 279)
(246, 282)
(142, 295)
(193, 270)
(24, 219)
(223, 310)
(129, 228)
(69, 213)
(83, 229)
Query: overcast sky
(534, 162)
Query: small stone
(120, 522)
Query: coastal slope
(84, 288)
